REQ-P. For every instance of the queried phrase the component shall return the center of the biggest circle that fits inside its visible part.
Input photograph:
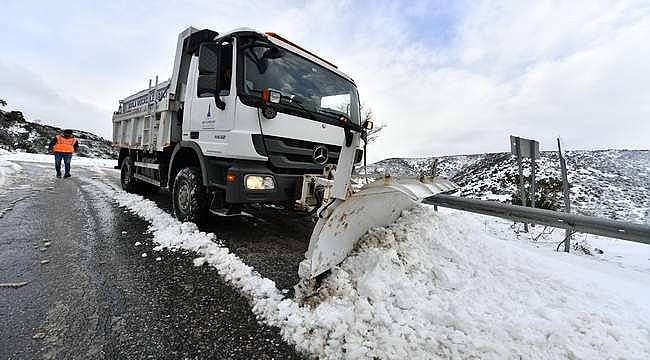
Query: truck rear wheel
(132, 185)
(127, 179)
(189, 196)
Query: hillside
(18, 134)
(608, 183)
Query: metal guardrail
(577, 223)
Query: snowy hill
(608, 183)
(18, 134)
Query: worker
(63, 146)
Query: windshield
(311, 87)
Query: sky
(445, 77)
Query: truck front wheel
(189, 196)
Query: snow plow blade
(343, 222)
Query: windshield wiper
(293, 103)
(336, 113)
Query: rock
(43, 262)
(38, 336)
(47, 243)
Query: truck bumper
(287, 186)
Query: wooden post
(521, 177)
(565, 191)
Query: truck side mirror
(210, 78)
(208, 59)
(207, 85)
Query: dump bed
(144, 120)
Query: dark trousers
(67, 157)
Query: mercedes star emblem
(320, 155)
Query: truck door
(208, 124)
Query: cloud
(33, 96)
(539, 71)
(446, 77)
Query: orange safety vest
(64, 144)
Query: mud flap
(343, 222)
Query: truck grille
(295, 156)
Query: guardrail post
(532, 176)
(565, 191)
(521, 177)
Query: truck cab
(249, 113)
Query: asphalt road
(96, 297)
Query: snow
(17, 129)
(44, 158)
(8, 160)
(438, 285)
(435, 285)
(7, 168)
(441, 284)
(606, 183)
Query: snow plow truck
(250, 117)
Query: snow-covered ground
(49, 159)
(442, 284)
(7, 168)
(9, 163)
(437, 285)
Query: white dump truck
(250, 117)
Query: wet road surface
(96, 297)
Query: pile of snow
(7, 168)
(432, 285)
(435, 285)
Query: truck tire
(132, 185)
(128, 181)
(189, 196)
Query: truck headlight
(259, 182)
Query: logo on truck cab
(320, 155)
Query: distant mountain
(608, 183)
(18, 134)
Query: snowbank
(432, 285)
(7, 168)
(435, 285)
(49, 159)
